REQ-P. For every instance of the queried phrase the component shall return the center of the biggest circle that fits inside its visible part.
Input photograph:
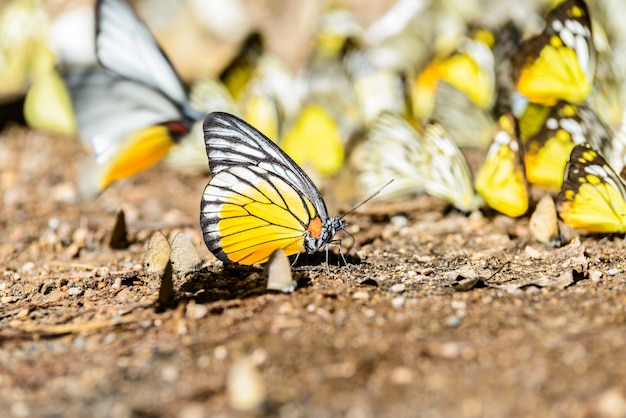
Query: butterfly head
(320, 233)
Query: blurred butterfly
(458, 90)
(313, 130)
(566, 125)
(559, 63)
(258, 199)
(501, 180)
(135, 108)
(593, 196)
(419, 162)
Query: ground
(437, 314)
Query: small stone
(610, 404)
(169, 373)
(399, 221)
(220, 352)
(533, 253)
(402, 376)
(453, 321)
(277, 273)
(75, 291)
(192, 410)
(614, 271)
(595, 276)
(195, 311)
(244, 385)
(543, 223)
(28, 267)
(398, 302)
(117, 283)
(361, 294)
(398, 288)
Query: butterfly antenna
(368, 199)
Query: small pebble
(399, 221)
(533, 253)
(117, 283)
(75, 291)
(453, 321)
(361, 294)
(402, 376)
(28, 267)
(169, 373)
(245, 388)
(595, 276)
(398, 288)
(277, 273)
(398, 302)
(220, 352)
(614, 272)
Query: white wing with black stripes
(258, 199)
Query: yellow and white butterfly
(457, 89)
(501, 179)
(419, 162)
(566, 125)
(134, 109)
(258, 199)
(593, 196)
(560, 63)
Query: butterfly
(565, 126)
(501, 179)
(258, 199)
(559, 63)
(134, 108)
(457, 89)
(419, 162)
(593, 196)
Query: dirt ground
(437, 314)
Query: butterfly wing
(392, 150)
(125, 45)
(447, 174)
(593, 197)
(258, 199)
(560, 62)
(501, 179)
(547, 152)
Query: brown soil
(437, 314)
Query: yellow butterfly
(593, 196)
(501, 180)
(258, 200)
(560, 63)
(314, 140)
(566, 125)
(458, 91)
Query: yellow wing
(248, 213)
(140, 151)
(547, 152)
(558, 64)
(315, 140)
(501, 179)
(593, 197)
